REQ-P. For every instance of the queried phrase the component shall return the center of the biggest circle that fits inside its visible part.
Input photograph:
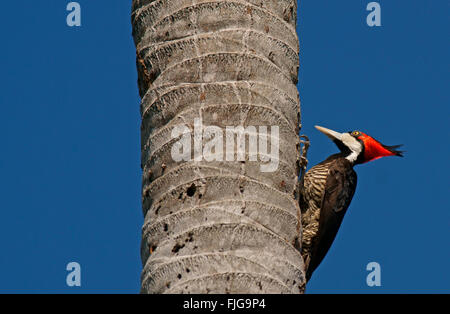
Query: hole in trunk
(177, 247)
(191, 190)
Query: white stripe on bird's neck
(354, 145)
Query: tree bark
(218, 226)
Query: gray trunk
(218, 226)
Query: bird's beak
(333, 135)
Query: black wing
(339, 190)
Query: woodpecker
(327, 190)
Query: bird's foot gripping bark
(304, 141)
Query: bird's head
(359, 147)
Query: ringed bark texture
(218, 226)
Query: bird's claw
(304, 151)
(303, 163)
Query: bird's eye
(356, 133)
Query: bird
(327, 189)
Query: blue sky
(70, 161)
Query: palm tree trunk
(218, 226)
